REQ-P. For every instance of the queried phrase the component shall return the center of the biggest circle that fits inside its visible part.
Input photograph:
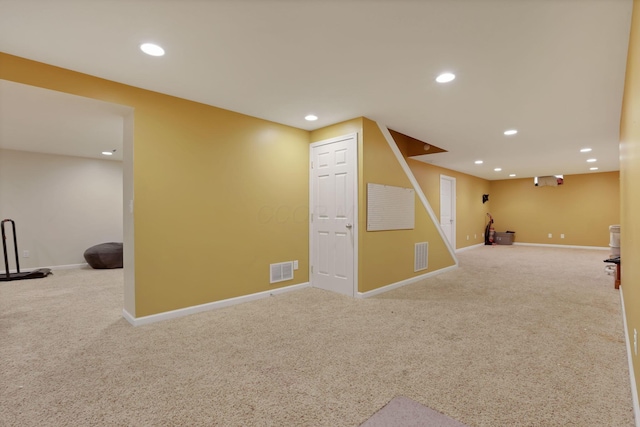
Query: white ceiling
(554, 70)
(46, 121)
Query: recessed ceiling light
(497, 169)
(585, 150)
(478, 162)
(510, 132)
(512, 174)
(107, 153)
(593, 169)
(445, 77)
(592, 160)
(152, 49)
(311, 117)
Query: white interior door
(448, 208)
(333, 228)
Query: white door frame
(453, 208)
(355, 228)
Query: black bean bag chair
(104, 255)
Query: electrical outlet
(295, 264)
(467, 237)
(550, 235)
(25, 253)
(475, 236)
(562, 236)
(635, 341)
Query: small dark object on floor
(615, 260)
(104, 255)
(18, 275)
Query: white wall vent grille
(281, 272)
(421, 256)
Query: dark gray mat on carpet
(404, 412)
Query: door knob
(348, 225)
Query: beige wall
(218, 195)
(62, 205)
(582, 209)
(471, 213)
(629, 182)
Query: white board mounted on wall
(390, 208)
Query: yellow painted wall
(582, 209)
(385, 257)
(471, 213)
(218, 195)
(339, 129)
(629, 182)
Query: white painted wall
(62, 205)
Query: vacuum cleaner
(18, 275)
(489, 231)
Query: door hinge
(312, 269)
(311, 165)
(311, 217)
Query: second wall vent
(281, 272)
(421, 256)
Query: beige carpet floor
(517, 336)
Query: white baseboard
(404, 282)
(597, 248)
(54, 268)
(634, 385)
(173, 314)
(466, 248)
